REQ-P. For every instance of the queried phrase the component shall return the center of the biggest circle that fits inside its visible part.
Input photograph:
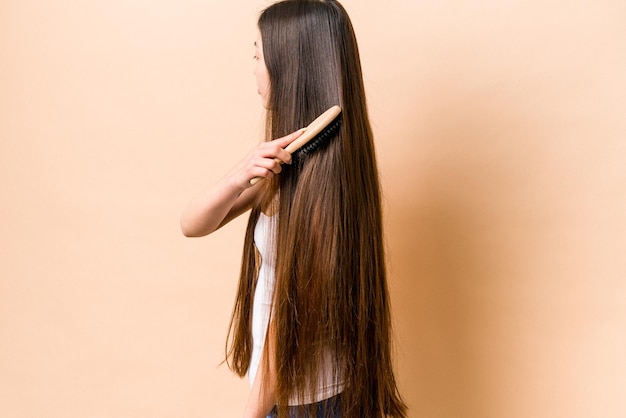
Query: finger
(261, 172)
(269, 164)
(281, 153)
(272, 150)
(284, 156)
(288, 139)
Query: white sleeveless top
(264, 292)
(262, 306)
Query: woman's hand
(234, 194)
(264, 161)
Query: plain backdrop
(501, 134)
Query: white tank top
(264, 292)
(262, 306)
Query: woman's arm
(263, 394)
(262, 397)
(233, 194)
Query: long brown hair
(331, 290)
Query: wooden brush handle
(314, 128)
(310, 132)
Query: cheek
(261, 67)
(264, 76)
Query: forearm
(262, 396)
(208, 211)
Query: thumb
(288, 139)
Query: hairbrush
(324, 127)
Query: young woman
(311, 323)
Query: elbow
(192, 231)
(187, 230)
(187, 233)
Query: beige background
(501, 133)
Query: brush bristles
(325, 135)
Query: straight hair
(331, 291)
